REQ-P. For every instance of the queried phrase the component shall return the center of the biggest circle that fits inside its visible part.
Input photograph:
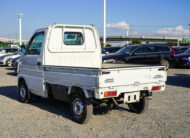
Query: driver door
(32, 65)
(138, 56)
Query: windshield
(18, 51)
(187, 51)
(109, 50)
(125, 50)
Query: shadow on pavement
(2, 65)
(12, 73)
(50, 105)
(181, 80)
(9, 68)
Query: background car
(180, 49)
(5, 51)
(143, 54)
(188, 62)
(15, 62)
(182, 59)
(6, 59)
(109, 50)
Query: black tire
(165, 62)
(8, 63)
(81, 108)
(16, 67)
(139, 107)
(24, 94)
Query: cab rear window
(73, 38)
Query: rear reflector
(156, 88)
(110, 94)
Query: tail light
(156, 88)
(173, 51)
(110, 93)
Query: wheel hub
(78, 108)
(9, 63)
(22, 92)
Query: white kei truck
(64, 62)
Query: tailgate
(131, 76)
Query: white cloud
(120, 25)
(177, 31)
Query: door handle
(38, 63)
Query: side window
(182, 50)
(165, 48)
(73, 38)
(140, 50)
(14, 50)
(8, 51)
(152, 49)
(36, 44)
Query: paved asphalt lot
(168, 114)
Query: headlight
(109, 61)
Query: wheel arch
(74, 89)
(20, 79)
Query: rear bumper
(99, 94)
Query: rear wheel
(140, 106)
(81, 108)
(24, 95)
(165, 62)
(8, 63)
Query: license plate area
(131, 97)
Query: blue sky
(145, 17)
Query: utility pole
(127, 30)
(20, 28)
(189, 30)
(104, 37)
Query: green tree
(134, 42)
(108, 45)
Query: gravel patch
(168, 114)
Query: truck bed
(112, 65)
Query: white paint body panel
(56, 53)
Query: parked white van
(64, 62)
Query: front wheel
(24, 94)
(81, 108)
(8, 63)
(139, 107)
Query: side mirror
(23, 49)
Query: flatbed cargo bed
(112, 65)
